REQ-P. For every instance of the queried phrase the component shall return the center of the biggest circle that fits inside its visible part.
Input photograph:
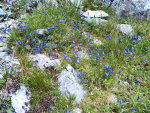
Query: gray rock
(45, 61)
(95, 14)
(83, 54)
(1, 44)
(4, 49)
(3, 54)
(2, 13)
(77, 2)
(96, 17)
(125, 29)
(136, 8)
(69, 85)
(41, 31)
(77, 110)
(19, 99)
(1, 76)
(112, 98)
(8, 63)
(96, 21)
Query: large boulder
(96, 17)
(139, 9)
(70, 86)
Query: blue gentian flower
(67, 34)
(120, 40)
(26, 44)
(103, 53)
(35, 67)
(81, 44)
(36, 61)
(78, 74)
(30, 34)
(23, 30)
(137, 80)
(19, 42)
(73, 42)
(52, 109)
(75, 51)
(135, 38)
(121, 102)
(33, 40)
(48, 29)
(111, 72)
(106, 74)
(133, 109)
(83, 80)
(53, 27)
(67, 111)
(146, 61)
(1, 38)
(80, 34)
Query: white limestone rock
(95, 14)
(69, 84)
(41, 31)
(3, 54)
(45, 61)
(4, 49)
(125, 29)
(77, 110)
(19, 100)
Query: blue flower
(103, 53)
(137, 80)
(108, 67)
(120, 40)
(78, 74)
(1, 38)
(52, 109)
(83, 80)
(75, 51)
(82, 73)
(23, 30)
(81, 44)
(53, 27)
(146, 61)
(106, 74)
(67, 34)
(26, 44)
(33, 40)
(80, 34)
(30, 34)
(36, 61)
(111, 72)
(60, 21)
(35, 67)
(67, 111)
(48, 29)
(127, 51)
(134, 38)
(19, 42)
(73, 42)
(130, 58)
(121, 102)
(133, 50)
(133, 109)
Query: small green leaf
(28, 47)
